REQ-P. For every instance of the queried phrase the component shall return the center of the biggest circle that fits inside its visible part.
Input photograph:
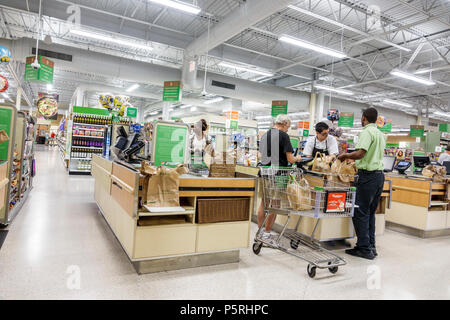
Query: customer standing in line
(369, 162)
(276, 150)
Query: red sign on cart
(335, 202)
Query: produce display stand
(18, 153)
(157, 242)
(419, 207)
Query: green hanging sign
(132, 112)
(417, 131)
(387, 127)
(294, 142)
(5, 124)
(279, 107)
(94, 111)
(43, 74)
(172, 91)
(444, 127)
(346, 119)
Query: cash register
(420, 162)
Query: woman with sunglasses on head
(323, 142)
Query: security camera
(204, 93)
(36, 65)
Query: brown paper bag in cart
(3, 136)
(299, 195)
(321, 163)
(163, 186)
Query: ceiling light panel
(241, 68)
(337, 90)
(108, 38)
(409, 76)
(183, 6)
(312, 46)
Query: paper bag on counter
(163, 186)
(3, 136)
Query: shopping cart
(291, 192)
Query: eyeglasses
(324, 134)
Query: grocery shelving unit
(20, 157)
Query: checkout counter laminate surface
(173, 245)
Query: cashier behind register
(322, 142)
(199, 138)
(445, 156)
(276, 150)
(369, 162)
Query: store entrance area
(60, 247)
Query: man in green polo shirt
(369, 162)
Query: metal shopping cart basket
(291, 192)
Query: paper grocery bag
(163, 186)
(3, 136)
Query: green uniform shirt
(373, 141)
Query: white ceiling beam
(237, 21)
(341, 25)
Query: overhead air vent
(53, 54)
(223, 85)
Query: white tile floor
(59, 227)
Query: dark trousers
(368, 193)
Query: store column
(19, 98)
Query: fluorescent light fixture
(230, 65)
(112, 39)
(428, 70)
(193, 109)
(49, 86)
(298, 114)
(398, 103)
(265, 122)
(179, 5)
(170, 109)
(409, 76)
(312, 46)
(132, 88)
(185, 106)
(215, 100)
(154, 113)
(442, 114)
(337, 90)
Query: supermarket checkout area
(420, 204)
(326, 229)
(214, 225)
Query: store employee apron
(323, 151)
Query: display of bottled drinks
(84, 153)
(86, 143)
(92, 119)
(123, 121)
(84, 165)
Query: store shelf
(89, 148)
(85, 159)
(88, 124)
(93, 137)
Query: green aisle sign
(416, 131)
(279, 107)
(170, 143)
(94, 111)
(346, 119)
(5, 124)
(132, 112)
(305, 133)
(444, 127)
(43, 74)
(387, 127)
(172, 91)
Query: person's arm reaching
(356, 155)
(291, 159)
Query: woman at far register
(199, 139)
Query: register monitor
(420, 162)
(389, 163)
(446, 164)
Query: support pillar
(19, 98)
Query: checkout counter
(208, 232)
(327, 229)
(419, 207)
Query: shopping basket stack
(291, 192)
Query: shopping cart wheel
(311, 271)
(333, 269)
(257, 247)
(294, 244)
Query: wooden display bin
(419, 206)
(159, 238)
